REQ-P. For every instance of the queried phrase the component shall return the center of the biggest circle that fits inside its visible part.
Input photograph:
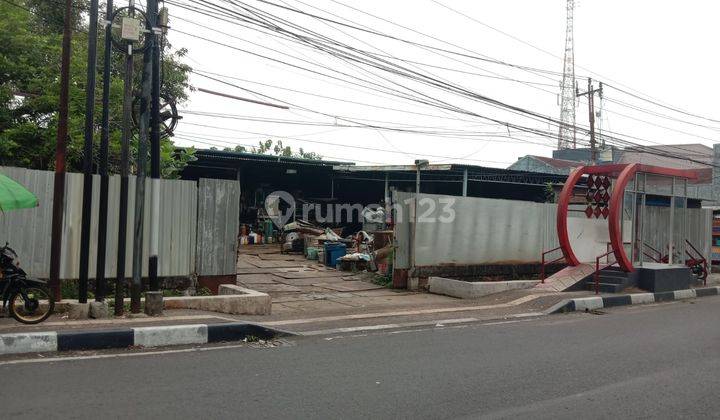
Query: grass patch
(384, 281)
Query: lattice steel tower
(566, 135)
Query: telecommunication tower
(566, 135)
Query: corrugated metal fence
(481, 230)
(28, 231)
(491, 231)
(217, 227)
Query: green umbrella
(14, 196)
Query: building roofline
(257, 157)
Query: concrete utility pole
(591, 116)
(144, 123)
(60, 151)
(154, 153)
(124, 172)
(88, 153)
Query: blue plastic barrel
(333, 251)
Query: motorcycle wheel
(703, 273)
(31, 305)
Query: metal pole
(591, 110)
(124, 182)
(600, 95)
(417, 180)
(239, 179)
(100, 286)
(238, 174)
(671, 231)
(136, 287)
(386, 198)
(88, 153)
(465, 181)
(386, 195)
(60, 151)
(154, 152)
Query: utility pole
(124, 181)
(88, 153)
(125, 163)
(100, 287)
(591, 119)
(591, 116)
(136, 287)
(60, 151)
(154, 152)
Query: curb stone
(156, 336)
(600, 302)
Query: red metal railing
(543, 263)
(659, 254)
(697, 259)
(596, 274)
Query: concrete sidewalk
(386, 308)
(309, 297)
(379, 311)
(301, 288)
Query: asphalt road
(656, 361)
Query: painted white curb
(170, 335)
(34, 342)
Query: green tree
(30, 49)
(277, 149)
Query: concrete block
(99, 310)
(78, 310)
(666, 279)
(475, 289)
(153, 303)
(28, 342)
(232, 289)
(588, 304)
(685, 294)
(170, 335)
(232, 300)
(641, 298)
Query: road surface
(652, 361)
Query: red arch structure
(623, 174)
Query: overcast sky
(659, 48)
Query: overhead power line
(638, 95)
(366, 148)
(264, 19)
(225, 95)
(655, 102)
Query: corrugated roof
(232, 155)
(683, 156)
(557, 163)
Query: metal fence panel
(491, 231)
(699, 224)
(484, 231)
(29, 230)
(402, 232)
(217, 227)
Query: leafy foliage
(30, 50)
(277, 149)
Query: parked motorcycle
(27, 300)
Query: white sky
(660, 48)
